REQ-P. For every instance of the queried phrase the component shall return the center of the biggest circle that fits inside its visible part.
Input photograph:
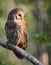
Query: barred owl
(16, 29)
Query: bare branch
(21, 52)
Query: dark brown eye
(19, 15)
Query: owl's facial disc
(20, 15)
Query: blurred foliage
(3, 6)
(2, 28)
(45, 8)
(24, 1)
(42, 37)
(47, 24)
(4, 60)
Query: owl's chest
(20, 24)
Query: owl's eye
(19, 15)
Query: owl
(16, 30)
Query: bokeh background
(38, 18)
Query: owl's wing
(25, 31)
(11, 31)
(25, 36)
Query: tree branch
(21, 52)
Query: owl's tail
(18, 55)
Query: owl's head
(17, 13)
(20, 14)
